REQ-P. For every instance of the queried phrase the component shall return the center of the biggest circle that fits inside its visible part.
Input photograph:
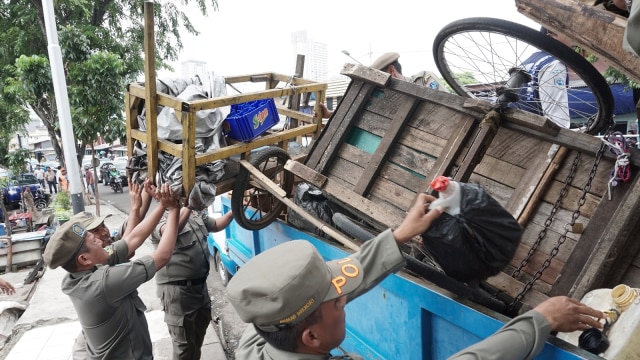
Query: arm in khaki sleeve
(525, 336)
(522, 338)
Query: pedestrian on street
(88, 177)
(103, 287)
(29, 203)
(182, 284)
(39, 174)
(50, 175)
(62, 180)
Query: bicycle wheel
(475, 57)
(253, 207)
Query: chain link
(567, 227)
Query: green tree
(102, 49)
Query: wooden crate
(277, 86)
(411, 134)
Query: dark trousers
(187, 313)
(53, 187)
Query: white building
(191, 68)
(316, 63)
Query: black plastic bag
(313, 200)
(478, 242)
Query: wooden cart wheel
(253, 207)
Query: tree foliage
(102, 49)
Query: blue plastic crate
(248, 120)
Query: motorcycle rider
(113, 175)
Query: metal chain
(563, 237)
(552, 214)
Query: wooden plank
(584, 143)
(550, 275)
(365, 73)
(511, 286)
(500, 171)
(515, 148)
(334, 134)
(372, 169)
(188, 155)
(414, 161)
(401, 177)
(609, 244)
(151, 114)
(501, 193)
(531, 233)
(537, 177)
(393, 194)
(570, 201)
(561, 218)
(592, 28)
(451, 151)
(361, 206)
(599, 183)
(263, 179)
(244, 147)
(346, 171)
(482, 141)
(294, 99)
(275, 190)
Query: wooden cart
(277, 86)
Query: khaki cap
(65, 243)
(385, 60)
(285, 284)
(89, 221)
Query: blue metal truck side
(404, 317)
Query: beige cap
(285, 284)
(65, 243)
(385, 60)
(89, 221)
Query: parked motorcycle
(40, 199)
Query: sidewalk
(49, 326)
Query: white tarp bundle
(209, 137)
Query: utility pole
(64, 113)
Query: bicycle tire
(453, 50)
(270, 160)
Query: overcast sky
(251, 36)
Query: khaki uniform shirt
(108, 306)
(379, 257)
(190, 258)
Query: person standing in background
(62, 179)
(39, 174)
(88, 178)
(50, 175)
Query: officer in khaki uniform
(182, 284)
(102, 283)
(389, 63)
(296, 301)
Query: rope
(621, 170)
